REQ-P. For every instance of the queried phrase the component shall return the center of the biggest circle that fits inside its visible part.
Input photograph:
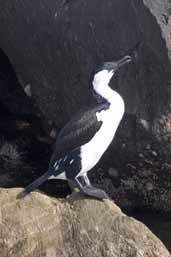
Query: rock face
(42, 226)
(54, 46)
(13, 99)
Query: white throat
(101, 87)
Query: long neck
(112, 97)
(105, 92)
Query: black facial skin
(113, 66)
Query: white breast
(94, 149)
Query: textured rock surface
(41, 226)
(54, 46)
(54, 52)
(13, 99)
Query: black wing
(78, 131)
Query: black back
(77, 132)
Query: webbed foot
(86, 188)
(94, 192)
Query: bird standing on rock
(85, 138)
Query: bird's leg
(73, 184)
(87, 189)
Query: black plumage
(78, 131)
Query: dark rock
(25, 151)
(55, 53)
(13, 100)
(55, 47)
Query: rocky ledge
(42, 226)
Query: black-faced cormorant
(84, 139)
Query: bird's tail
(35, 184)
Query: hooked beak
(131, 55)
(124, 60)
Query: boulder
(43, 226)
(54, 46)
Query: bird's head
(105, 72)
